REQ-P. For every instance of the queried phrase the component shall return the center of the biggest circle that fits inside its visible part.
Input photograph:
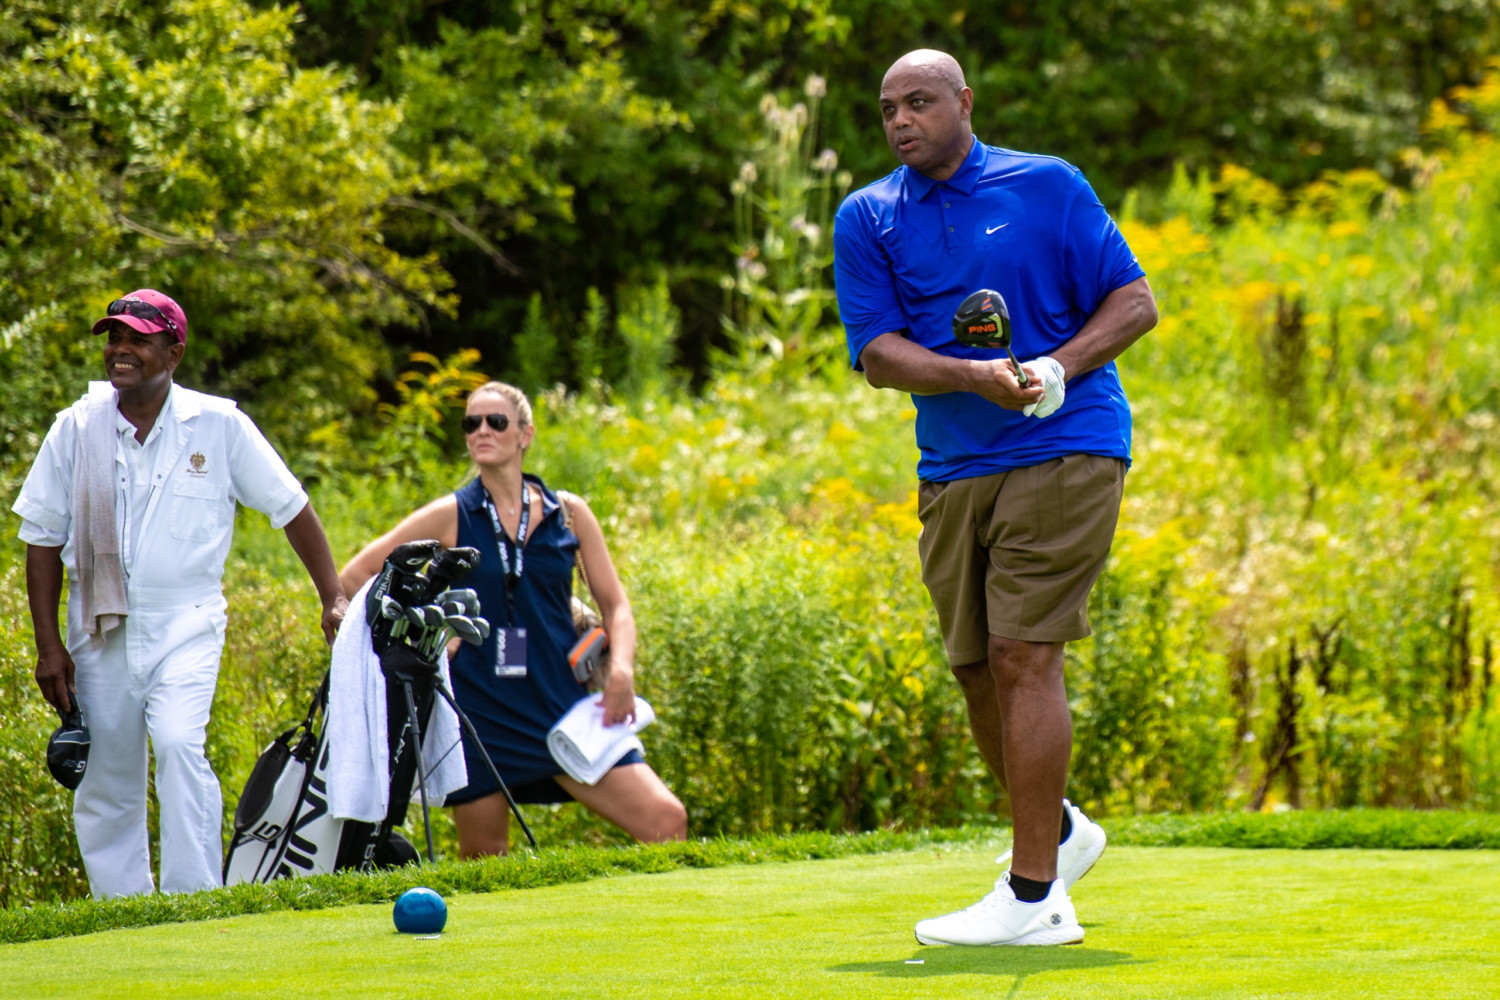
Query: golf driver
(983, 320)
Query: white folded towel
(358, 750)
(585, 748)
(442, 747)
(101, 573)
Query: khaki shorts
(1014, 554)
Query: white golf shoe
(1001, 919)
(1077, 854)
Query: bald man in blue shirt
(1019, 486)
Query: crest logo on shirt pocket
(196, 462)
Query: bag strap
(578, 552)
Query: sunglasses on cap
(140, 310)
(498, 422)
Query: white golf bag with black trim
(282, 826)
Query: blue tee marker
(420, 911)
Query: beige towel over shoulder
(101, 572)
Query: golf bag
(282, 826)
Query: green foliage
(784, 199)
(589, 144)
(320, 183)
(518, 127)
(745, 651)
(1149, 691)
(1301, 608)
(648, 325)
(38, 853)
(588, 343)
(1333, 829)
(536, 349)
(173, 147)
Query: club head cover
(68, 750)
(451, 565)
(401, 577)
(410, 557)
(983, 320)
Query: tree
(172, 145)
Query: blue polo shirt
(908, 250)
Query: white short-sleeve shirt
(175, 493)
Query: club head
(465, 597)
(451, 608)
(452, 564)
(465, 629)
(434, 616)
(68, 749)
(983, 320)
(389, 608)
(483, 626)
(412, 556)
(416, 616)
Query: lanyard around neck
(503, 542)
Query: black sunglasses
(140, 310)
(497, 421)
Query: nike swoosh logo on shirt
(1001, 226)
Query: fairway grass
(1160, 923)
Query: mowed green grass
(1160, 923)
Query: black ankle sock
(1029, 890)
(1067, 827)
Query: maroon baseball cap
(147, 311)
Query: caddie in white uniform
(134, 492)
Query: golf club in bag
(282, 826)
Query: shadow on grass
(1017, 962)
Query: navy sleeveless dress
(513, 714)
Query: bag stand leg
(403, 666)
(468, 728)
(416, 728)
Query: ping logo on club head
(983, 326)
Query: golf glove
(1052, 388)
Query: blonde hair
(515, 396)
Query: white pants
(154, 678)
